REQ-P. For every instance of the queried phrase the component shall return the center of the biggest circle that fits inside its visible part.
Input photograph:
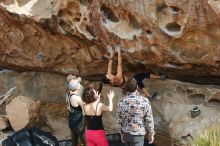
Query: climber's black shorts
(140, 77)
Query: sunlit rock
(24, 112)
(36, 9)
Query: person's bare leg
(119, 74)
(153, 76)
(109, 71)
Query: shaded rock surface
(173, 104)
(47, 87)
(56, 114)
(4, 123)
(171, 109)
(109, 118)
(184, 129)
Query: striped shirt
(134, 114)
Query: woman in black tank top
(75, 116)
(93, 109)
(94, 122)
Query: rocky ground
(57, 118)
(171, 108)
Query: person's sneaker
(152, 96)
(163, 77)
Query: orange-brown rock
(179, 37)
(27, 45)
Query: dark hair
(88, 95)
(100, 87)
(131, 85)
(105, 80)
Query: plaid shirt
(134, 114)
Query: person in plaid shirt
(134, 114)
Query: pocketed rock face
(173, 104)
(179, 37)
(63, 36)
(27, 45)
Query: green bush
(209, 137)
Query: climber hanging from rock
(114, 80)
(118, 80)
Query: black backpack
(30, 137)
